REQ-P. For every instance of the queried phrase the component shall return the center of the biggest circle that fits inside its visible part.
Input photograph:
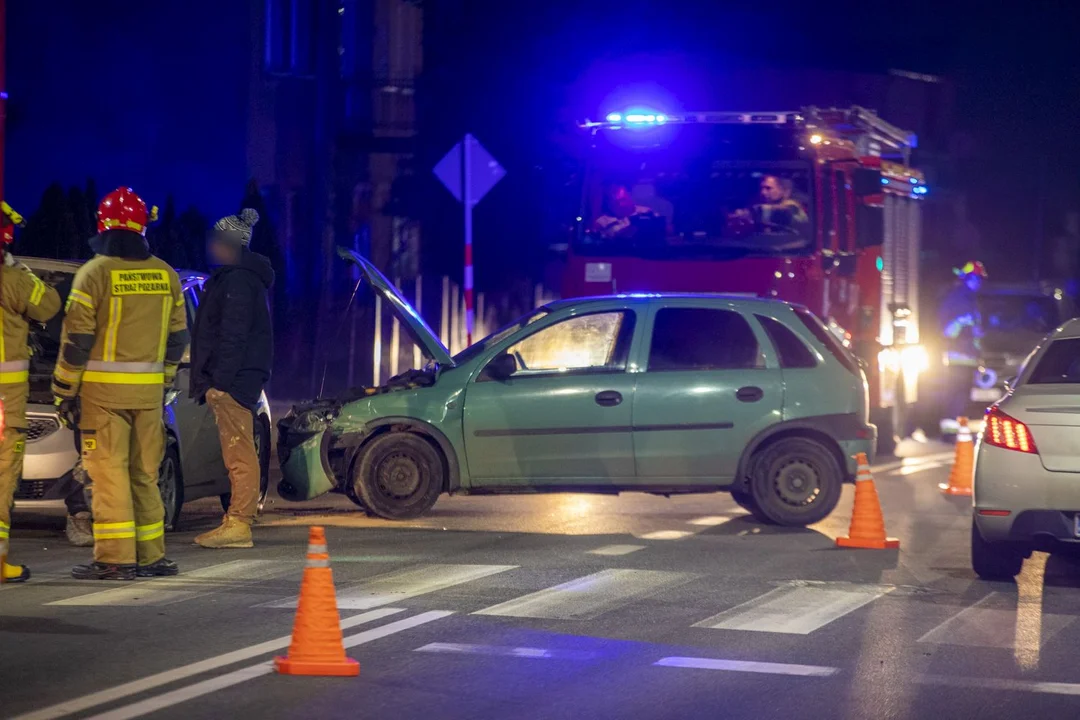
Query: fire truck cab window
(693, 191)
(701, 339)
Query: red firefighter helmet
(122, 209)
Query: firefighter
(124, 333)
(620, 210)
(961, 328)
(23, 297)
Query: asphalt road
(559, 606)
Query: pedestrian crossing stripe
(797, 608)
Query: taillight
(1003, 431)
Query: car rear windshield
(1059, 364)
(828, 339)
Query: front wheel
(398, 476)
(994, 560)
(171, 487)
(796, 482)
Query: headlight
(313, 421)
(912, 359)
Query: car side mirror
(502, 367)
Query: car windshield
(502, 333)
(1019, 313)
(685, 189)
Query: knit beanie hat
(238, 227)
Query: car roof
(71, 266)
(661, 298)
(1071, 329)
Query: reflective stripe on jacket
(24, 297)
(124, 333)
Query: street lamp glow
(816, 139)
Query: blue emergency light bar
(637, 118)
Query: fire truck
(819, 207)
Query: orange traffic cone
(316, 647)
(963, 469)
(867, 525)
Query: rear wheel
(398, 476)
(994, 560)
(171, 486)
(744, 498)
(796, 482)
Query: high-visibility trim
(149, 532)
(38, 292)
(126, 224)
(116, 306)
(119, 378)
(114, 531)
(10, 378)
(4, 525)
(66, 375)
(80, 297)
(180, 301)
(4, 534)
(4, 530)
(166, 314)
(316, 549)
(13, 365)
(126, 367)
(318, 563)
(2, 323)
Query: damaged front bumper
(303, 452)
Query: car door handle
(609, 398)
(749, 394)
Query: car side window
(191, 301)
(582, 343)
(792, 351)
(702, 339)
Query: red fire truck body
(696, 186)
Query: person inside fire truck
(961, 328)
(775, 211)
(621, 216)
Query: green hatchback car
(660, 394)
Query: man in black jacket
(232, 350)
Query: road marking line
(199, 689)
(945, 456)
(748, 667)
(402, 584)
(166, 591)
(589, 596)
(977, 626)
(616, 550)
(665, 535)
(710, 520)
(507, 651)
(912, 469)
(70, 707)
(1036, 686)
(797, 608)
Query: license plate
(985, 394)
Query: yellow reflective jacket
(23, 297)
(125, 331)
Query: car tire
(262, 449)
(994, 560)
(744, 498)
(398, 476)
(171, 486)
(796, 482)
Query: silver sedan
(1027, 464)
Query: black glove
(67, 409)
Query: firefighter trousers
(236, 430)
(12, 448)
(122, 451)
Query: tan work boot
(232, 533)
(79, 531)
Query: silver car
(192, 468)
(1027, 464)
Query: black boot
(103, 571)
(162, 568)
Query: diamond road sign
(483, 171)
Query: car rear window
(1059, 364)
(792, 351)
(701, 339)
(828, 339)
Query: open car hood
(417, 329)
